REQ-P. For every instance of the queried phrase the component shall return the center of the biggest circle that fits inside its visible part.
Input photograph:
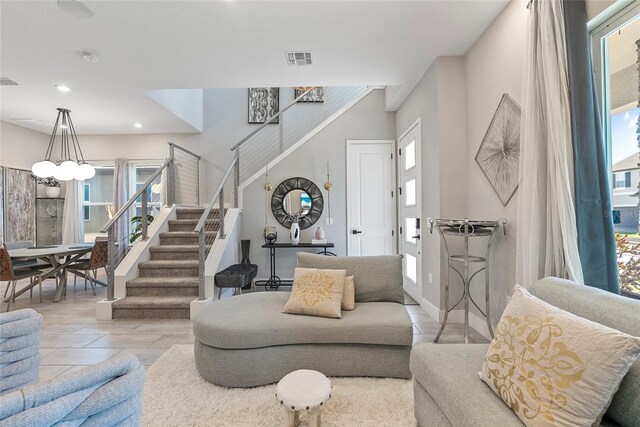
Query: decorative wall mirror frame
(308, 198)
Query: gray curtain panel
(120, 198)
(596, 240)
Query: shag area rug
(175, 395)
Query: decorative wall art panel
(20, 205)
(499, 153)
(316, 95)
(264, 102)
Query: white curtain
(72, 216)
(547, 235)
(120, 198)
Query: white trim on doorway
(392, 162)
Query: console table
(466, 229)
(274, 282)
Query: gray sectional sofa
(448, 391)
(246, 341)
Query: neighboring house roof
(628, 163)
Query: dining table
(60, 257)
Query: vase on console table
(294, 233)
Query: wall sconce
(328, 186)
(270, 234)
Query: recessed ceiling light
(63, 88)
(138, 125)
(75, 8)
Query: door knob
(356, 232)
(416, 237)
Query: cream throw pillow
(349, 294)
(555, 368)
(316, 292)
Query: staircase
(176, 274)
(168, 282)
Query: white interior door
(370, 205)
(409, 201)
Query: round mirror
(297, 202)
(297, 198)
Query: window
(153, 194)
(411, 230)
(97, 202)
(616, 65)
(86, 210)
(410, 193)
(410, 155)
(622, 180)
(411, 267)
(97, 205)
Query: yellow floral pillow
(555, 368)
(316, 292)
(349, 294)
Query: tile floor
(72, 338)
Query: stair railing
(208, 226)
(263, 145)
(163, 187)
(290, 125)
(184, 185)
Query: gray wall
(20, 147)
(439, 101)
(494, 65)
(366, 120)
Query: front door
(409, 201)
(370, 205)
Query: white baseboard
(430, 309)
(104, 310)
(456, 316)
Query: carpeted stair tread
(168, 264)
(193, 221)
(153, 302)
(183, 233)
(168, 283)
(190, 210)
(178, 234)
(174, 248)
(163, 282)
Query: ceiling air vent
(298, 59)
(5, 81)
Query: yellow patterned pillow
(316, 292)
(555, 368)
(349, 294)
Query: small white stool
(303, 390)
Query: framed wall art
(264, 102)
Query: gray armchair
(19, 349)
(107, 394)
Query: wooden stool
(303, 390)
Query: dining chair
(11, 275)
(84, 267)
(25, 262)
